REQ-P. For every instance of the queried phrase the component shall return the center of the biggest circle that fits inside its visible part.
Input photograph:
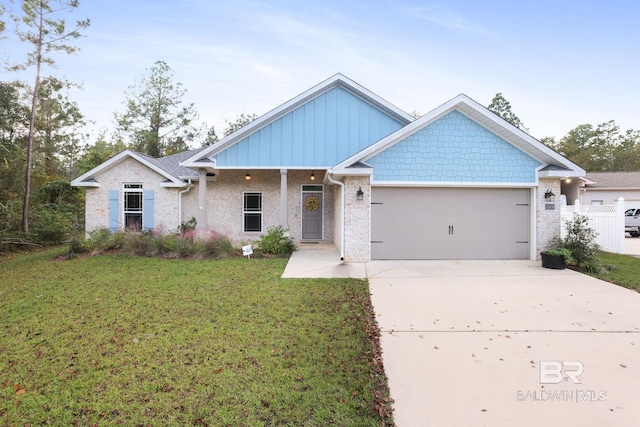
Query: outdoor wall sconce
(312, 177)
(549, 196)
(359, 194)
(247, 177)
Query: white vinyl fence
(606, 220)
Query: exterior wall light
(549, 196)
(312, 177)
(247, 177)
(359, 194)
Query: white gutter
(341, 184)
(180, 203)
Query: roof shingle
(614, 179)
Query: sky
(559, 63)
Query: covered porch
(311, 204)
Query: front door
(312, 208)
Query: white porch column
(201, 216)
(284, 217)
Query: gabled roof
(200, 159)
(555, 164)
(613, 180)
(169, 167)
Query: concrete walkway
(314, 260)
(481, 343)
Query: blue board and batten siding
(319, 133)
(454, 148)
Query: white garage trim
(533, 218)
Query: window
(252, 212)
(133, 207)
(596, 203)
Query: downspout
(189, 187)
(341, 184)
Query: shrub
(158, 244)
(216, 246)
(170, 243)
(102, 240)
(563, 252)
(275, 242)
(136, 244)
(594, 266)
(97, 239)
(10, 217)
(227, 248)
(579, 243)
(53, 224)
(77, 246)
(581, 240)
(184, 247)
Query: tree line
(600, 148)
(44, 142)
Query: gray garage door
(449, 223)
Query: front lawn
(113, 340)
(625, 272)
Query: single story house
(605, 188)
(339, 164)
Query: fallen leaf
(19, 392)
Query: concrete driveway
(481, 343)
(632, 246)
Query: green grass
(625, 272)
(113, 340)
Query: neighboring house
(339, 164)
(605, 188)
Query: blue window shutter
(114, 210)
(148, 210)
